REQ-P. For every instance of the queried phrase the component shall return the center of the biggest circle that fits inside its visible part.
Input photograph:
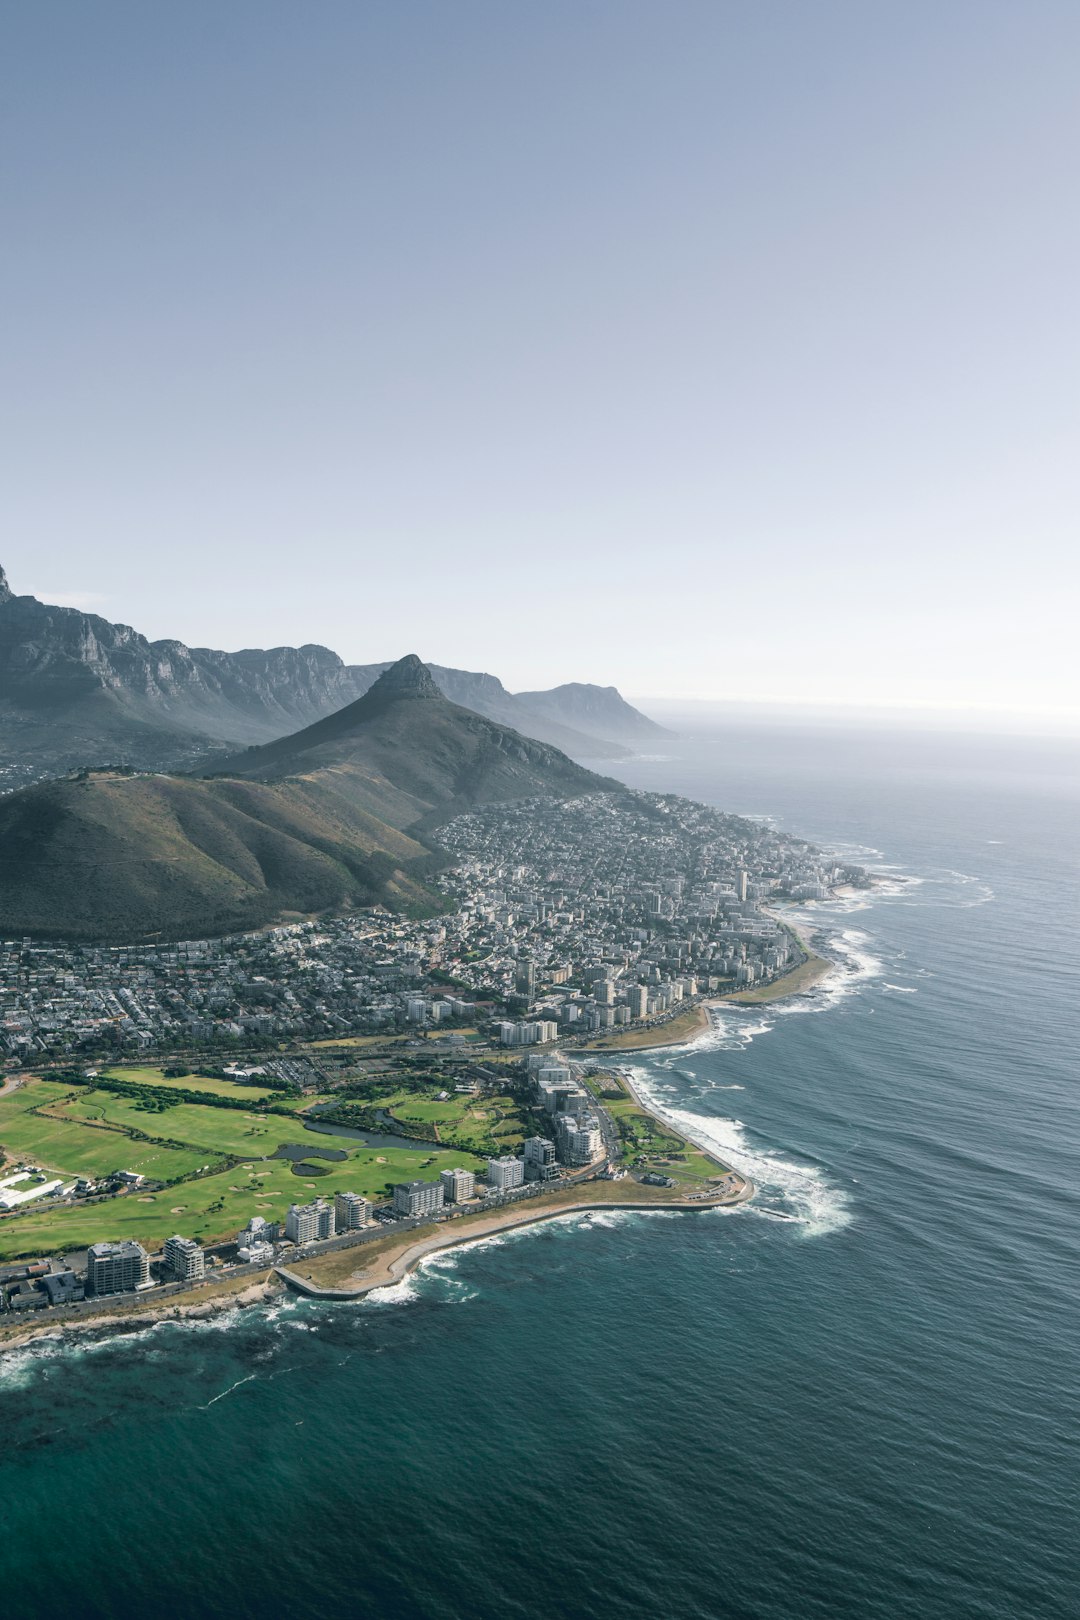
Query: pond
(300, 1158)
(372, 1139)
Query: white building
(418, 1197)
(457, 1185)
(351, 1212)
(305, 1223)
(504, 1173)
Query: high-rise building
(116, 1268)
(351, 1212)
(539, 1159)
(505, 1173)
(457, 1185)
(744, 880)
(639, 1001)
(184, 1258)
(525, 980)
(418, 1197)
(579, 1138)
(306, 1223)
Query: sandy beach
(323, 1278)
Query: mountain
(76, 689)
(405, 753)
(334, 816)
(599, 710)
(486, 694)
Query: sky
(723, 351)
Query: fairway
(494, 1124)
(73, 1148)
(211, 1208)
(140, 1075)
(212, 1130)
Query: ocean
(859, 1396)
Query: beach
(338, 1276)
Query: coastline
(229, 1294)
(396, 1262)
(397, 1256)
(749, 1190)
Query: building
(306, 1223)
(184, 1258)
(351, 1212)
(539, 1159)
(505, 1173)
(525, 980)
(255, 1244)
(116, 1268)
(418, 1197)
(638, 1001)
(457, 1185)
(579, 1138)
(63, 1288)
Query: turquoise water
(867, 1409)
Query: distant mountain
(405, 753)
(486, 695)
(599, 710)
(331, 817)
(78, 690)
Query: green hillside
(329, 818)
(135, 857)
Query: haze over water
(857, 1397)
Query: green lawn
(650, 1136)
(72, 1147)
(220, 1130)
(215, 1207)
(142, 1076)
(494, 1122)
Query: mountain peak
(5, 588)
(408, 678)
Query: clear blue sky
(726, 350)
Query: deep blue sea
(871, 1409)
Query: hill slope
(329, 818)
(137, 857)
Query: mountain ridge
(77, 689)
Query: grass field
(211, 1208)
(361, 1041)
(683, 1027)
(72, 1147)
(211, 1130)
(494, 1122)
(650, 1136)
(142, 1076)
(804, 977)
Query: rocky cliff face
(78, 690)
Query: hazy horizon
(698, 350)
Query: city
(602, 912)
